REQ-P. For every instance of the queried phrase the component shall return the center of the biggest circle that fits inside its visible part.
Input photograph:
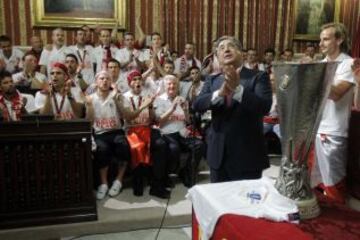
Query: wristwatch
(70, 97)
(79, 75)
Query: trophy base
(308, 208)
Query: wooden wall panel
(257, 23)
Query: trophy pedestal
(308, 208)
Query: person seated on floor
(172, 113)
(29, 80)
(59, 98)
(12, 104)
(146, 145)
(103, 109)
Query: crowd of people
(146, 103)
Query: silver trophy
(301, 91)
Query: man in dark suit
(238, 99)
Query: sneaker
(101, 192)
(115, 188)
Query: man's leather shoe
(159, 192)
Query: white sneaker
(101, 191)
(115, 188)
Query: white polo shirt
(336, 115)
(100, 54)
(48, 58)
(86, 58)
(14, 60)
(182, 64)
(176, 121)
(20, 79)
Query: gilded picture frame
(310, 15)
(75, 13)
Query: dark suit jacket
(236, 132)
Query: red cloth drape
(335, 222)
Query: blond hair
(340, 33)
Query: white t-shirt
(176, 121)
(260, 66)
(186, 88)
(14, 60)
(66, 112)
(153, 87)
(21, 80)
(100, 54)
(86, 58)
(48, 58)
(133, 102)
(122, 84)
(124, 56)
(30, 102)
(336, 115)
(106, 114)
(181, 66)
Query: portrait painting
(310, 15)
(75, 13)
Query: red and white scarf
(16, 106)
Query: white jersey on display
(253, 198)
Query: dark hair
(29, 54)
(288, 50)
(4, 38)
(155, 34)
(168, 61)
(72, 56)
(269, 50)
(194, 67)
(4, 74)
(129, 34)
(231, 38)
(79, 30)
(113, 60)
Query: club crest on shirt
(254, 197)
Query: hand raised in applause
(231, 80)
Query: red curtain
(356, 42)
